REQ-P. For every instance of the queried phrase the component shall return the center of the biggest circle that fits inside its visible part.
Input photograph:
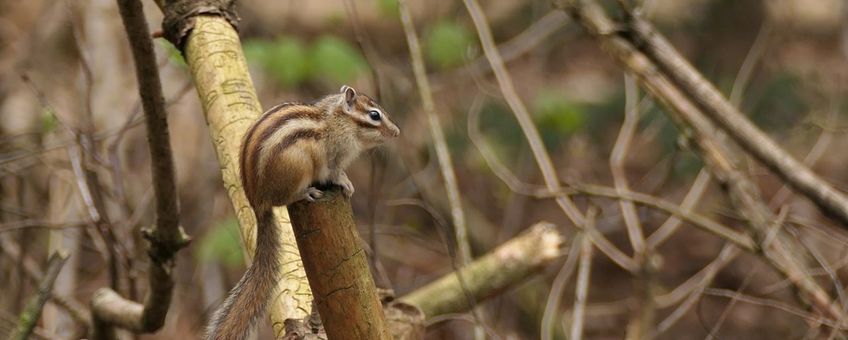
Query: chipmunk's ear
(349, 95)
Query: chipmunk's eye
(374, 115)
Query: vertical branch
(337, 268)
(205, 32)
(166, 237)
(460, 229)
(442, 153)
(552, 306)
(582, 290)
(617, 158)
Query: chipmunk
(288, 149)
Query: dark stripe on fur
(261, 131)
(248, 143)
(297, 135)
(285, 117)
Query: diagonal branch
(747, 135)
(31, 313)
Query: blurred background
(69, 110)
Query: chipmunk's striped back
(276, 130)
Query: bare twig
(726, 312)
(73, 307)
(558, 288)
(813, 156)
(671, 224)
(582, 290)
(442, 153)
(526, 41)
(604, 245)
(702, 180)
(31, 313)
(815, 319)
(617, 158)
(694, 287)
(540, 153)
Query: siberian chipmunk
(288, 149)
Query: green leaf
(222, 244)
(553, 112)
(48, 121)
(336, 60)
(447, 43)
(174, 55)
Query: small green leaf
(222, 244)
(174, 55)
(48, 121)
(447, 43)
(553, 112)
(336, 60)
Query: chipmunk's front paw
(312, 194)
(345, 183)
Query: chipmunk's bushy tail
(247, 300)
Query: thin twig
(526, 41)
(31, 313)
(813, 156)
(558, 288)
(616, 161)
(702, 180)
(694, 288)
(439, 142)
(74, 308)
(604, 245)
(463, 248)
(518, 108)
(582, 290)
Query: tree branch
(747, 135)
(166, 237)
(337, 268)
(489, 275)
(212, 50)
